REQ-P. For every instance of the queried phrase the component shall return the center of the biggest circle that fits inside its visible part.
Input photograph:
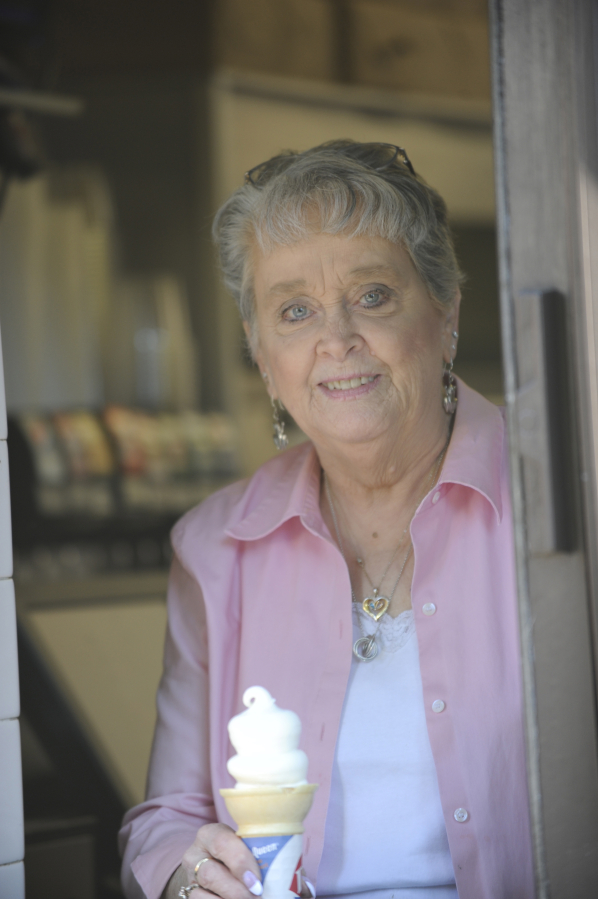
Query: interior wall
(479, 359)
(108, 660)
(434, 47)
(146, 134)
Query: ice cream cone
(269, 811)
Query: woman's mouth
(347, 384)
(345, 388)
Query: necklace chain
(342, 549)
(361, 563)
(365, 647)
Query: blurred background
(123, 125)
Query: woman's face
(349, 338)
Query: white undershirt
(385, 833)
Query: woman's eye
(373, 298)
(296, 313)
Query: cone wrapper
(270, 823)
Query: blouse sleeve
(155, 834)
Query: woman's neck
(368, 476)
(368, 505)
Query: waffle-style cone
(269, 811)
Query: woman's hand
(230, 871)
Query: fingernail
(310, 887)
(252, 883)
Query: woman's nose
(340, 336)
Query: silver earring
(281, 441)
(449, 387)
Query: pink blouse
(260, 594)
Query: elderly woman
(365, 578)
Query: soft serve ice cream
(272, 796)
(266, 740)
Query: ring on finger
(199, 864)
(185, 891)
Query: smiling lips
(349, 383)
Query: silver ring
(199, 864)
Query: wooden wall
(424, 46)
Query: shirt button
(429, 608)
(461, 815)
(436, 497)
(438, 706)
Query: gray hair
(340, 187)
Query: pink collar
(288, 485)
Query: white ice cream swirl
(266, 740)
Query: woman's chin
(346, 431)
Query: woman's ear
(456, 309)
(256, 354)
(451, 329)
(251, 342)
(249, 337)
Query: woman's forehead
(286, 269)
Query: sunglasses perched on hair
(279, 163)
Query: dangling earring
(281, 441)
(449, 384)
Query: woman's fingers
(223, 844)
(217, 878)
(230, 871)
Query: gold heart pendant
(375, 606)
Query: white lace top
(385, 833)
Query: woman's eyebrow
(284, 288)
(373, 271)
